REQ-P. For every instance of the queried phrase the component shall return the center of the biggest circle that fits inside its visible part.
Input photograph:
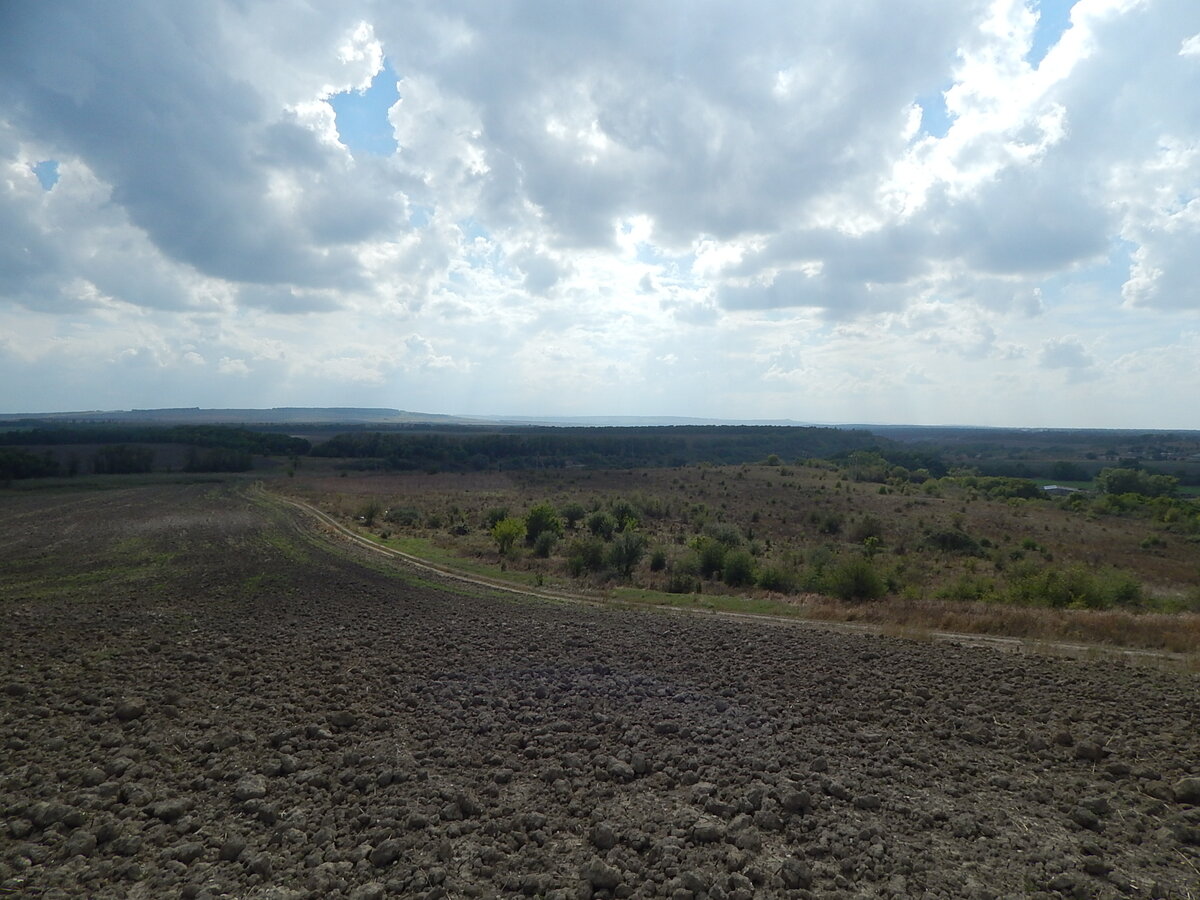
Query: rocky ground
(198, 701)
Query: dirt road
(198, 701)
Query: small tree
(601, 524)
(855, 579)
(626, 551)
(544, 545)
(369, 512)
(507, 532)
(739, 568)
(711, 554)
(540, 519)
(572, 514)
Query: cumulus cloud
(626, 183)
(1065, 353)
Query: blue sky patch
(46, 172)
(935, 120)
(1054, 17)
(362, 121)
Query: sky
(977, 212)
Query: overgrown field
(849, 541)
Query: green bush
(953, 541)
(626, 551)
(711, 555)
(724, 533)
(572, 514)
(585, 555)
(658, 560)
(369, 512)
(866, 527)
(682, 583)
(1074, 586)
(738, 569)
(854, 578)
(507, 532)
(544, 545)
(494, 515)
(968, 587)
(625, 514)
(778, 579)
(408, 516)
(602, 524)
(541, 518)
(830, 523)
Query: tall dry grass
(1177, 633)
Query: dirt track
(195, 701)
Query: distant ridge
(280, 415)
(631, 421)
(353, 415)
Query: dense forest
(222, 436)
(600, 447)
(128, 449)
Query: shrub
(866, 527)
(778, 579)
(968, 587)
(507, 532)
(542, 518)
(626, 551)
(1074, 586)
(711, 555)
(953, 541)
(738, 570)
(369, 512)
(494, 515)
(625, 514)
(682, 583)
(602, 524)
(830, 523)
(585, 555)
(658, 560)
(572, 514)
(854, 579)
(544, 544)
(403, 515)
(724, 533)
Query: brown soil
(197, 700)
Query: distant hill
(280, 415)
(352, 415)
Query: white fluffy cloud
(668, 208)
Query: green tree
(626, 551)
(369, 512)
(601, 524)
(854, 579)
(711, 554)
(507, 532)
(542, 518)
(572, 514)
(739, 568)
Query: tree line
(607, 447)
(213, 436)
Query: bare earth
(198, 700)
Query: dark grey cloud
(143, 94)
